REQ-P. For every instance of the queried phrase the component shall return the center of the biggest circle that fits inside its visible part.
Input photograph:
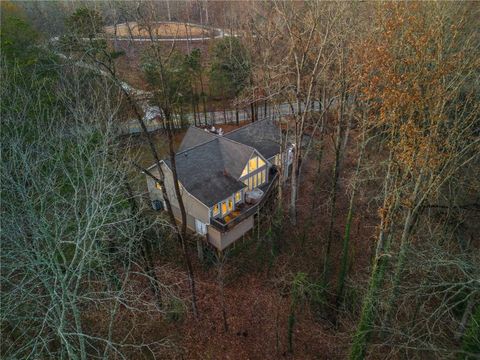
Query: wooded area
(372, 248)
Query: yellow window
(215, 209)
(224, 208)
(245, 171)
(238, 196)
(250, 183)
(260, 162)
(255, 181)
(230, 204)
(158, 186)
(263, 176)
(252, 164)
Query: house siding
(222, 240)
(193, 207)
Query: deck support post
(200, 248)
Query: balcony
(245, 210)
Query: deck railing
(225, 226)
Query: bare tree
(67, 242)
(417, 109)
(97, 52)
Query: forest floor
(257, 282)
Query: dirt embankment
(129, 64)
(159, 30)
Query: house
(223, 180)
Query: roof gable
(235, 156)
(195, 136)
(209, 166)
(209, 171)
(264, 136)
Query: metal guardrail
(224, 227)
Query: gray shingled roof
(209, 171)
(195, 136)
(265, 136)
(209, 165)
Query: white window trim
(241, 196)
(218, 210)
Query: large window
(230, 205)
(256, 180)
(224, 207)
(252, 164)
(216, 210)
(238, 197)
(245, 171)
(256, 167)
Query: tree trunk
(146, 250)
(194, 114)
(470, 339)
(168, 10)
(194, 107)
(407, 231)
(221, 286)
(198, 113)
(292, 210)
(333, 201)
(200, 249)
(346, 238)
(365, 324)
(465, 318)
(160, 180)
(203, 98)
(183, 233)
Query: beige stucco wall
(222, 240)
(193, 207)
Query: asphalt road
(152, 113)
